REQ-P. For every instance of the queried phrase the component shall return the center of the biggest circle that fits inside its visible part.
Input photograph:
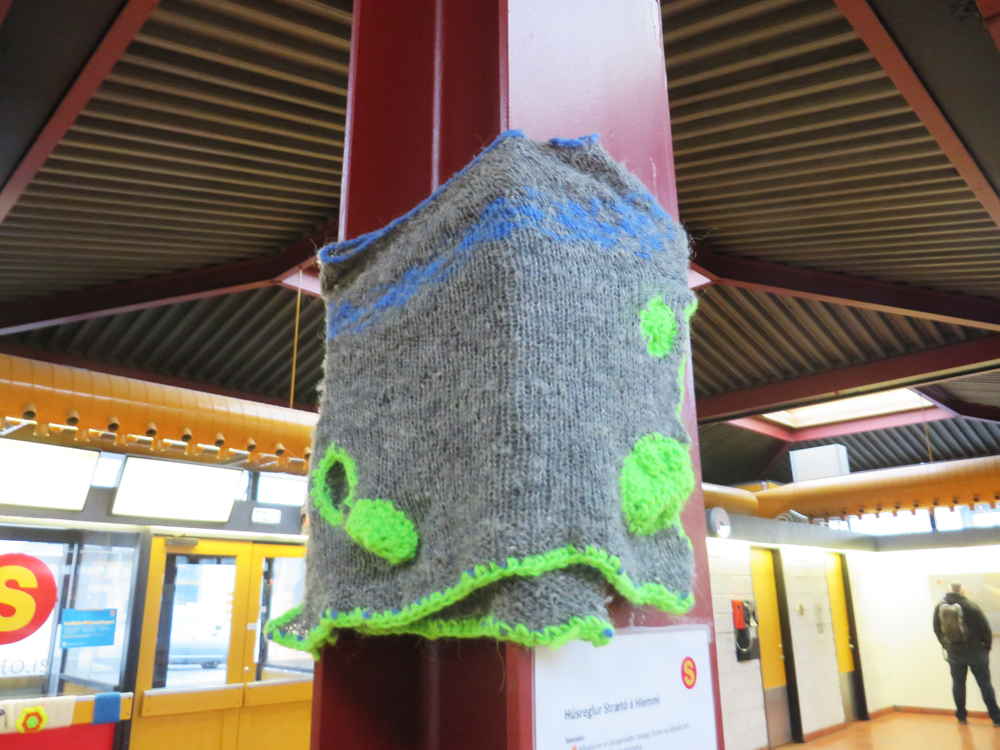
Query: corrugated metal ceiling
(743, 338)
(219, 134)
(733, 455)
(950, 439)
(240, 341)
(217, 137)
(976, 389)
(792, 145)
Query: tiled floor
(904, 731)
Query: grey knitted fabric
(499, 443)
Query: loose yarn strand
(927, 437)
(295, 342)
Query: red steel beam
(707, 268)
(56, 358)
(870, 424)
(958, 407)
(183, 286)
(841, 289)
(882, 46)
(764, 427)
(907, 369)
(990, 11)
(131, 18)
(4, 7)
(848, 427)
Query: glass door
(277, 705)
(282, 584)
(196, 621)
(206, 680)
(189, 683)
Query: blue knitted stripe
(559, 220)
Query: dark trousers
(982, 674)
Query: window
(282, 489)
(281, 589)
(94, 579)
(109, 469)
(192, 645)
(103, 583)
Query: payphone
(745, 629)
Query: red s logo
(689, 673)
(27, 596)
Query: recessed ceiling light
(856, 407)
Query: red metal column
(432, 83)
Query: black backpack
(953, 628)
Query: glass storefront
(76, 640)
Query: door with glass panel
(277, 704)
(205, 679)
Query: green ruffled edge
(415, 617)
(591, 628)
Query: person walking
(967, 638)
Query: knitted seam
(393, 621)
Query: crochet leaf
(376, 525)
(383, 530)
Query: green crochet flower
(658, 326)
(656, 481)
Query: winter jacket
(976, 649)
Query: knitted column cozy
(499, 440)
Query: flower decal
(32, 719)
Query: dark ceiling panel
(976, 389)
(732, 455)
(744, 338)
(240, 341)
(792, 145)
(43, 45)
(959, 63)
(218, 136)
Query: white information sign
(649, 689)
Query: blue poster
(88, 627)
